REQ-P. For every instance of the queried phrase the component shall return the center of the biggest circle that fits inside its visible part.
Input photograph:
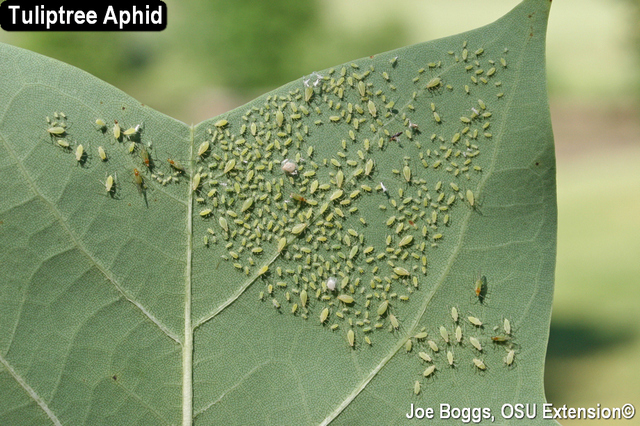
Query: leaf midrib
(187, 347)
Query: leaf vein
(31, 392)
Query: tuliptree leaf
(298, 260)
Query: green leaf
(169, 299)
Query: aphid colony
(115, 137)
(463, 349)
(282, 188)
(279, 186)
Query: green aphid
(479, 285)
(434, 83)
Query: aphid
(297, 229)
(116, 129)
(444, 333)
(303, 298)
(138, 181)
(175, 165)
(479, 285)
(57, 131)
(337, 194)
(408, 345)
(339, 179)
(420, 335)
(434, 83)
(276, 304)
(454, 314)
(383, 307)
(479, 364)
(368, 167)
(221, 123)
(282, 242)
(289, 167)
(362, 88)
(353, 252)
(366, 339)
(475, 321)
(246, 205)
(401, 271)
(507, 326)
(475, 342)
(230, 165)
(500, 339)
(372, 108)
(406, 240)
(79, 153)
(395, 137)
(406, 172)
(508, 359)
(450, 357)
(470, 197)
(433, 345)
(458, 334)
(100, 123)
(109, 185)
(425, 356)
(324, 315)
(102, 154)
(131, 131)
(203, 148)
(195, 184)
(429, 370)
(223, 223)
(144, 154)
(308, 93)
(416, 388)
(205, 212)
(351, 337)
(345, 298)
(394, 321)
(263, 270)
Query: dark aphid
(395, 136)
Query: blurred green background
(196, 69)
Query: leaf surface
(201, 291)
